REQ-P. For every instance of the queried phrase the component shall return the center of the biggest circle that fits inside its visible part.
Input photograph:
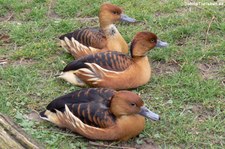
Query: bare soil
(211, 69)
(160, 67)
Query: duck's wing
(89, 105)
(72, 122)
(90, 37)
(110, 60)
(98, 69)
(81, 96)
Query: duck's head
(143, 42)
(128, 103)
(110, 14)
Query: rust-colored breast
(110, 60)
(91, 37)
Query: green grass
(189, 97)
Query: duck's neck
(137, 50)
(139, 58)
(110, 31)
(136, 55)
(114, 39)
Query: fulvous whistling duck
(100, 114)
(113, 69)
(92, 40)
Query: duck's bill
(149, 114)
(161, 44)
(125, 18)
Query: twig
(69, 134)
(9, 18)
(109, 146)
(207, 32)
(50, 7)
(2, 62)
(173, 60)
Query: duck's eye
(152, 40)
(115, 12)
(133, 104)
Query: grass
(186, 89)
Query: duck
(86, 41)
(112, 69)
(100, 113)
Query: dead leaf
(5, 38)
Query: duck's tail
(71, 77)
(76, 48)
(67, 120)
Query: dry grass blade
(109, 146)
(207, 32)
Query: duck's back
(110, 60)
(91, 106)
(90, 37)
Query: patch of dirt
(51, 12)
(182, 41)
(184, 10)
(5, 61)
(146, 143)
(200, 111)
(6, 17)
(23, 61)
(4, 38)
(160, 14)
(179, 11)
(160, 68)
(211, 69)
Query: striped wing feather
(90, 37)
(91, 106)
(75, 124)
(93, 113)
(110, 60)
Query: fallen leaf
(5, 38)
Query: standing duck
(113, 69)
(100, 114)
(92, 40)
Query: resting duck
(113, 69)
(92, 40)
(100, 114)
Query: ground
(188, 78)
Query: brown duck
(100, 114)
(113, 69)
(86, 41)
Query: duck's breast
(137, 74)
(115, 42)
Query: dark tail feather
(42, 115)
